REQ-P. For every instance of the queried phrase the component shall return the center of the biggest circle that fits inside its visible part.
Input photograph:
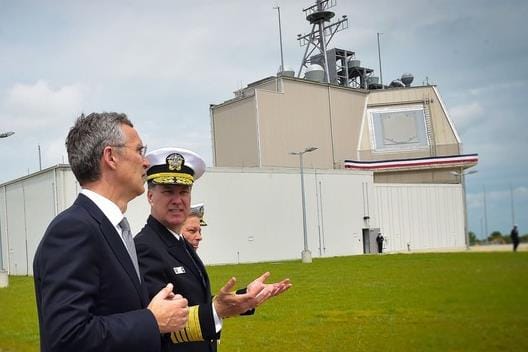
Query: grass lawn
(417, 302)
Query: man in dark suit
(89, 294)
(514, 234)
(379, 241)
(165, 256)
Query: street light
(4, 278)
(306, 255)
(6, 134)
(462, 176)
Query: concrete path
(498, 248)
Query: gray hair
(88, 138)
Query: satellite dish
(396, 84)
(354, 63)
(6, 134)
(407, 79)
(314, 72)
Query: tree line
(496, 237)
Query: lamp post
(306, 255)
(512, 205)
(4, 278)
(462, 176)
(6, 134)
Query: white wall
(422, 216)
(256, 215)
(27, 206)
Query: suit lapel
(180, 251)
(114, 241)
(196, 262)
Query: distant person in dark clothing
(379, 241)
(515, 237)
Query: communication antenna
(320, 35)
(280, 39)
(379, 59)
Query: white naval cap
(174, 166)
(199, 211)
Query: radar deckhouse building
(403, 133)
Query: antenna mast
(320, 35)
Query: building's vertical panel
(4, 255)
(235, 134)
(292, 122)
(421, 216)
(39, 201)
(27, 206)
(16, 233)
(342, 209)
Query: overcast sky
(164, 62)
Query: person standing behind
(379, 241)
(164, 256)
(192, 227)
(88, 290)
(514, 234)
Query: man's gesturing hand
(227, 303)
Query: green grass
(18, 316)
(418, 302)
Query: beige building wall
(292, 121)
(418, 176)
(235, 135)
(347, 109)
(275, 116)
(443, 137)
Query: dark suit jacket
(163, 259)
(88, 295)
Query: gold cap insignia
(175, 161)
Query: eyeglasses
(141, 150)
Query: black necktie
(184, 245)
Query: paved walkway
(523, 247)
(498, 248)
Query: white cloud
(498, 87)
(476, 200)
(39, 105)
(54, 152)
(467, 114)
